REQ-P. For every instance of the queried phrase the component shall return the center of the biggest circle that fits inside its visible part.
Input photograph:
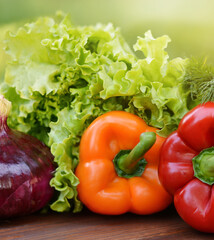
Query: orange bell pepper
(115, 185)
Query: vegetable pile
(61, 77)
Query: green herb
(199, 79)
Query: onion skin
(26, 168)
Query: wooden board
(87, 225)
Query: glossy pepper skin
(100, 188)
(187, 167)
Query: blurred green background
(189, 23)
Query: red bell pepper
(186, 167)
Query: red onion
(26, 167)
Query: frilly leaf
(61, 77)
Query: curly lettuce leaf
(61, 77)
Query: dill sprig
(199, 79)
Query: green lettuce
(60, 77)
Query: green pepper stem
(129, 162)
(203, 165)
(208, 167)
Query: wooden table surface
(87, 225)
